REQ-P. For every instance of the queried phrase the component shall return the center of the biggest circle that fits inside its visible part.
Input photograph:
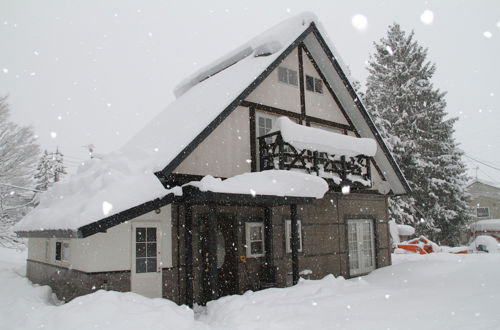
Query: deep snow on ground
(437, 291)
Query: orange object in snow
(420, 245)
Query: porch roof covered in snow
(267, 188)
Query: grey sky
(97, 72)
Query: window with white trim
(62, 251)
(483, 212)
(314, 84)
(288, 235)
(288, 76)
(255, 239)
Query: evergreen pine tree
(410, 114)
(50, 169)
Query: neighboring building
(485, 203)
(485, 200)
(152, 219)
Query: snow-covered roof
(99, 189)
(486, 225)
(272, 182)
(303, 137)
(126, 179)
(201, 100)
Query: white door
(146, 259)
(361, 246)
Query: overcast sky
(84, 72)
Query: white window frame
(288, 235)
(248, 226)
(288, 70)
(65, 251)
(362, 257)
(264, 115)
(483, 216)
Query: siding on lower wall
(68, 284)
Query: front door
(361, 246)
(227, 257)
(146, 260)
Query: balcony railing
(338, 170)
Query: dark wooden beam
(253, 139)
(301, 84)
(188, 247)
(268, 235)
(212, 252)
(295, 243)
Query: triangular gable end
(327, 66)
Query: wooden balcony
(338, 170)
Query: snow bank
(486, 225)
(486, 242)
(272, 182)
(405, 230)
(303, 137)
(100, 188)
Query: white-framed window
(255, 239)
(361, 240)
(264, 123)
(288, 235)
(314, 84)
(62, 251)
(482, 212)
(288, 76)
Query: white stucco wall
(225, 152)
(109, 251)
(275, 93)
(323, 105)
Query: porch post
(295, 243)
(268, 236)
(212, 253)
(188, 248)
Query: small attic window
(314, 84)
(288, 76)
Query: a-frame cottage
(267, 167)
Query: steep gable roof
(204, 100)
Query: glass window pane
(151, 265)
(140, 265)
(282, 74)
(256, 248)
(151, 250)
(58, 250)
(140, 250)
(318, 85)
(310, 83)
(151, 235)
(140, 234)
(292, 77)
(255, 233)
(269, 124)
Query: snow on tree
(50, 169)
(18, 154)
(410, 114)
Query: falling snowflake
(59, 117)
(387, 296)
(106, 207)
(427, 17)
(36, 53)
(150, 34)
(5, 70)
(53, 135)
(359, 22)
(253, 192)
(487, 34)
(389, 50)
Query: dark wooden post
(212, 253)
(295, 243)
(188, 247)
(268, 235)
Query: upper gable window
(288, 76)
(314, 84)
